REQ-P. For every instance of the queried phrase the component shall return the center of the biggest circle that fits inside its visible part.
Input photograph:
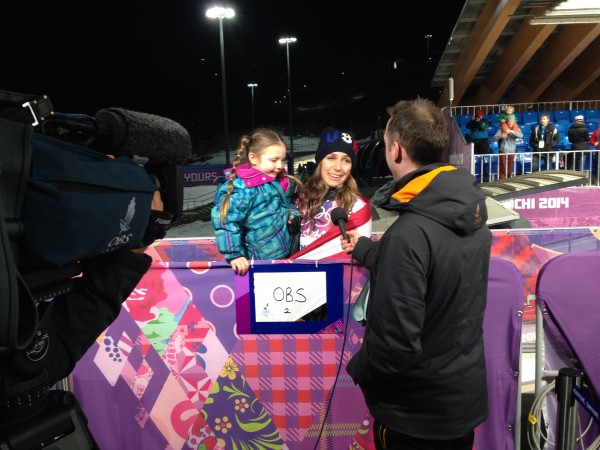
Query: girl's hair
(316, 190)
(255, 143)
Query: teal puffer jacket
(256, 224)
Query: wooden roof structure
(495, 55)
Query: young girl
(252, 208)
(510, 109)
(331, 186)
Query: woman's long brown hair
(315, 190)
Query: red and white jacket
(320, 239)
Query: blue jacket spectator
(478, 129)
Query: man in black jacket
(421, 366)
(543, 140)
(578, 135)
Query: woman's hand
(240, 265)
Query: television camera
(36, 411)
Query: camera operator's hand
(157, 203)
(80, 316)
(158, 224)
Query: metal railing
(523, 107)
(487, 167)
(203, 199)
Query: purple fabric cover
(502, 338)
(150, 380)
(568, 287)
(567, 292)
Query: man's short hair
(420, 128)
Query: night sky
(163, 57)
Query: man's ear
(397, 152)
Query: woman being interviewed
(331, 186)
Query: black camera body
(32, 415)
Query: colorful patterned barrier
(172, 372)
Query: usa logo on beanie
(332, 140)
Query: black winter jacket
(550, 138)
(579, 136)
(421, 366)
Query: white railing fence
(486, 167)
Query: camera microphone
(161, 145)
(146, 138)
(340, 217)
(158, 144)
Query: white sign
(287, 296)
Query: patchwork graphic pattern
(172, 373)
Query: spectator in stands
(507, 144)
(594, 143)
(253, 205)
(543, 140)
(579, 137)
(478, 127)
(421, 366)
(502, 118)
(331, 185)
(594, 139)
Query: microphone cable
(345, 338)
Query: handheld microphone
(340, 217)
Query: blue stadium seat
(587, 160)
(463, 119)
(562, 115)
(523, 159)
(576, 112)
(530, 117)
(565, 141)
(562, 128)
(494, 118)
(466, 133)
(592, 125)
(592, 114)
(518, 117)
